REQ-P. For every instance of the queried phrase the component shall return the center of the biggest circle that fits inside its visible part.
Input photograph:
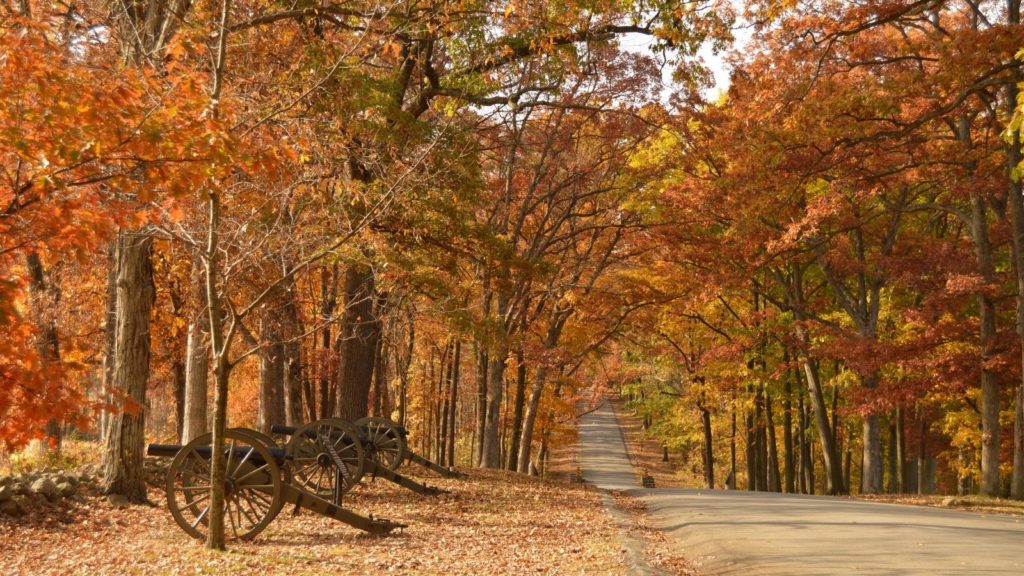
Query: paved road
(789, 535)
(780, 534)
(602, 453)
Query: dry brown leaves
(972, 503)
(489, 523)
(658, 551)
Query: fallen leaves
(489, 523)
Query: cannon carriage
(320, 462)
(258, 483)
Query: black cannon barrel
(171, 450)
(286, 430)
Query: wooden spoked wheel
(252, 487)
(317, 448)
(387, 442)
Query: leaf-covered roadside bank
(489, 523)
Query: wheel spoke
(200, 517)
(251, 472)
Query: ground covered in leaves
(972, 503)
(489, 523)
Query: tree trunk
(708, 451)
(517, 412)
(871, 463)
(481, 404)
(327, 367)
(901, 452)
(44, 295)
(123, 464)
(272, 376)
(197, 363)
(787, 434)
(751, 441)
(774, 480)
(292, 357)
(731, 481)
(921, 460)
(490, 457)
(360, 332)
(109, 336)
(833, 473)
(987, 341)
(453, 394)
(530, 418)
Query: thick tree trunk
(871, 463)
(490, 457)
(197, 363)
(360, 332)
(517, 412)
(530, 418)
(833, 473)
(987, 341)
(123, 463)
(272, 376)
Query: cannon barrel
(171, 450)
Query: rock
(6, 493)
(45, 487)
(950, 501)
(66, 488)
(10, 508)
(118, 500)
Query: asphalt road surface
(737, 532)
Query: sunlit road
(737, 532)
(756, 533)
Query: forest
(476, 217)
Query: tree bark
(197, 363)
(774, 480)
(123, 463)
(44, 295)
(360, 332)
(292, 357)
(109, 336)
(871, 463)
(787, 433)
(453, 394)
(517, 412)
(708, 445)
(490, 457)
(987, 341)
(272, 376)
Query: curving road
(737, 532)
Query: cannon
(317, 471)
(258, 483)
(390, 449)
